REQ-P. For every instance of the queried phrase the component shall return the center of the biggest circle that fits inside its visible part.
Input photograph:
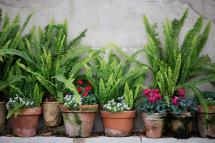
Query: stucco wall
(114, 21)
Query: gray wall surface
(114, 21)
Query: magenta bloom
(146, 91)
(175, 100)
(157, 96)
(181, 92)
(155, 91)
(151, 99)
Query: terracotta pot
(181, 125)
(79, 123)
(2, 116)
(206, 126)
(26, 123)
(154, 124)
(52, 113)
(118, 124)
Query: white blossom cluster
(19, 101)
(117, 105)
(71, 102)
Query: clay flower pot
(118, 124)
(154, 124)
(52, 113)
(26, 123)
(206, 126)
(2, 116)
(181, 125)
(79, 123)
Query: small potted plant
(206, 115)
(79, 109)
(181, 112)
(118, 114)
(24, 110)
(153, 108)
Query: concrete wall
(114, 21)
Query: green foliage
(10, 39)
(173, 64)
(108, 77)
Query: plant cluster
(71, 102)
(152, 102)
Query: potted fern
(24, 106)
(118, 114)
(154, 110)
(79, 108)
(176, 67)
(10, 37)
(51, 53)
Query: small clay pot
(79, 123)
(181, 125)
(52, 114)
(26, 123)
(206, 125)
(2, 116)
(154, 124)
(118, 124)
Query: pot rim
(3, 102)
(211, 109)
(65, 109)
(182, 114)
(51, 102)
(119, 115)
(31, 111)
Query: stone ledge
(102, 139)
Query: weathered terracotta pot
(118, 124)
(52, 113)
(79, 123)
(206, 126)
(2, 116)
(154, 124)
(26, 123)
(181, 125)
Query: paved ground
(101, 139)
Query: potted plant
(154, 110)
(10, 37)
(118, 114)
(24, 106)
(181, 111)
(206, 115)
(79, 108)
(55, 55)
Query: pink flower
(155, 91)
(85, 94)
(79, 89)
(181, 92)
(157, 96)
(175, 100)
(80, 82)
(146, 91)
(151, 99)
(88, 88)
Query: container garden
(52, 113)
(118, 124)
(26, 123)
(79, 123)
(2, 116)
(153, 108)
(181, 125)
(206, 121)
(154, 124)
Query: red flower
(181, 92)
(157, 96)
(151, 99)
(85, 94)
(146, 92)
(80, 82)
(88, 88)
(175, 100)
(79, 89)
(155, 91)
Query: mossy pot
(2, 116)
(206, 121)
(79, 123)
(181, 125)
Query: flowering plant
(117, 105)
(71, 102)
(180, 104)
(15, 104)
(152, 102)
